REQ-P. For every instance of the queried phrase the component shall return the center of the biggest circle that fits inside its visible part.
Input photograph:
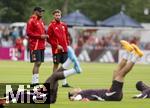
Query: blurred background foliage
(96, 10)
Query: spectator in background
(147, 46)
(15, 33)
(6, 42)
(19, 47)
(135, 40)
(1, 32)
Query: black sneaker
(66, 85)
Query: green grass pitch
(95, 75)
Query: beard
(57, 20)
(39, 16)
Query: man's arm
(143, 95)
(31, 34)
(53, 40)
(2, 102)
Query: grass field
(95, 75)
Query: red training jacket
(35, 28)
(58, 35)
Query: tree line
(20, 10)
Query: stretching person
(62, 73)
(132, 54)
(50, 88)
(144, 89)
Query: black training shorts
(60, 58)
(37, 56)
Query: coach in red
(59, 40)
(36, 38)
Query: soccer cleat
(74, 59)
(126, 46)
(137, 50)
(66, 85)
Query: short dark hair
(39, 9)
(56, 11)
(69, 95)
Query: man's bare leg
(117, 84)
(64, 81)
(128, 49)
(35, 71)
(55, 67)
(122, 73)
(119, 67)
(61, 73)
(136, 55)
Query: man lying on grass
(132, 54)
(47, 92)
(144, 89)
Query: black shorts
(37, 56)
(60, 58)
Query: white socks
(35, 78)
(67, 63)
(126, 55)
(69, 72)
(130, 56)
(66, 66)
(64, 81)
(134, 58)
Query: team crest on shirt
(56, 28)
(42, 24)
(63, 28)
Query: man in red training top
(37, 35)
(59, 40)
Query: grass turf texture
(95, 75)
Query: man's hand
(44, 36)
(85, 100)
(2, 102)
(59, 47)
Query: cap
(38, 9)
